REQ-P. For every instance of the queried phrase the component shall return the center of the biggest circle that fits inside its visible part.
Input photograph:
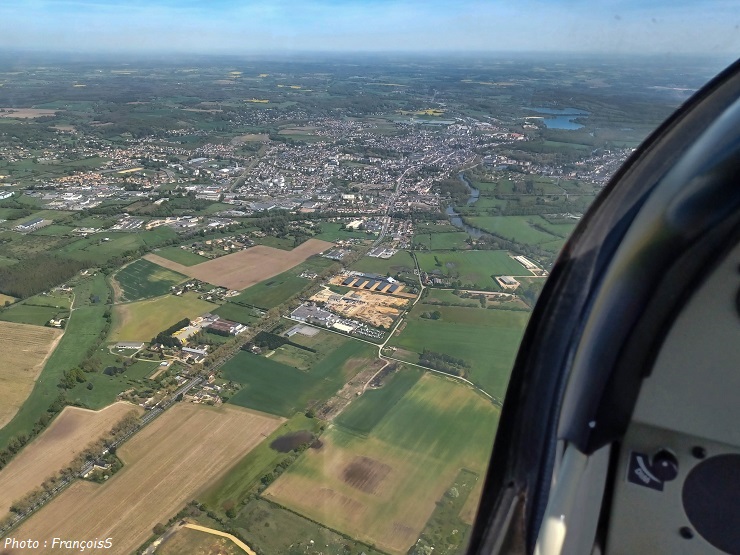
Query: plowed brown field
(166, 464)
(70, 433)
(248, 267)
(25, 349)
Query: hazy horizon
(230, 27)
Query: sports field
(248, 267)
(472, 268)
(25, 350)
(165, 465)
(383, 488)
(487, 339)
(143, 279)
(57, 446)
(277, 388)
(142, 320)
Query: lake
(561, 118)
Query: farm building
(135, 345)
(196, 355)
(30, 225)
(226, 327)
(507, 282)
(313, 314)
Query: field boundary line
(233, 538)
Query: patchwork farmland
(165, 465)
(142, 320)
(382, 489)
(70, 433)
(143, 279)
(248, 267)
(26, 349)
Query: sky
(286, 26)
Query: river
(455, 218)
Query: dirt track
(245, 268)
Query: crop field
(143, 279)
(520, 229)
(401, 262)
(364, 413)
(181, 256)
(487, 339)
(382, 489)
(81, 333)
(142, 320)
(238, 313)
(26, 349)
(473, 268)
(57, 446)
(236, 485)
(248, 267)
(273, 291)
(166, 465)
(277, 388)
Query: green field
(278, 289)
(280, 389)
(364, 413)
(37, 310)
(330, 231)
(96, 250)
(236, 485)
(81, 333)
(143, 279)
(447, 530)
(274, 291)
(420, 445)
(473, 269)
(106, 388)
(274, 530)
(487, 339)
(54, 229)
(238, 313)
(521, 229)
(440, 241)
(143, 320)
(401, 262)
(181, 256)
